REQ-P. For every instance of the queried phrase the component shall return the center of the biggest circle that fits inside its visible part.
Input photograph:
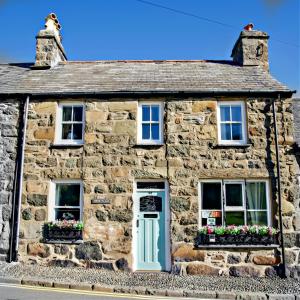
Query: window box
(243, 236)
(63, 231)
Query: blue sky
(129, 29)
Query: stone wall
(110, 161)
(9, 120)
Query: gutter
(18, 183)
(115, 94)
(279, 189)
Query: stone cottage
(144, 153)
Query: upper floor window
(150, 123)
(70, 124)
(234, 202)
(231, 123)
(65, 201)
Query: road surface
(19, 292)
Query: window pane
(146, 131)
(236, 113)
(211, 195)
(234, 195)
(66, 131)
(257, 218)
(237, 132)
(77, 113)
(67, 113)
(256, 195)
(225, 132)
(77, 131)
(234, 218)
(67, 195)
(225, 113)
(155, 113)
(213, 218)
(155, 131)
(67, 214)
(146, 113)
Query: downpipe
(18, 185)
(283, 265)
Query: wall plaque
(100, 201)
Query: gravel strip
(150, 280)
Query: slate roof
(137, 77)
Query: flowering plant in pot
(237, 235)
(63, 230)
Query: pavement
(21, 282)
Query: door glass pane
(236, 113)
(77, 113)
(257, 218)
(145, 131)
(155, 113)
(234, 218)
(150, 185)
(67, 195)
(145, 113)
(67, 113)
(150, 203)
(155, 131)
(234, 194)
(256, 195)
(225, 113)
(211, 195)
(77, 131)
(225, 132)
(237, 134)
(66, 131)
(67, 214)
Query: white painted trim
(58, 124)
(141, 141)
(52, 195)
(135, 208)
(244, 123)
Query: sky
(137, 29)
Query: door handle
(137, 223)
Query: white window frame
(142, 141)
(58, 130)
(225, 208)
(52, 196)
(244, 123)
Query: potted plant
(69, 230)
(236, 235)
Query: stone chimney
(251, 48)
(49, 50)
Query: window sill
(58, 146)
(148, 145)
(74, 242)
(219, 146)
(233, 246)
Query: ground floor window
(65, 200)
(234, 202)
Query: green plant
(65, 224)
(236, 230)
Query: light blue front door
(151, 231)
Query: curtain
(256, 196)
